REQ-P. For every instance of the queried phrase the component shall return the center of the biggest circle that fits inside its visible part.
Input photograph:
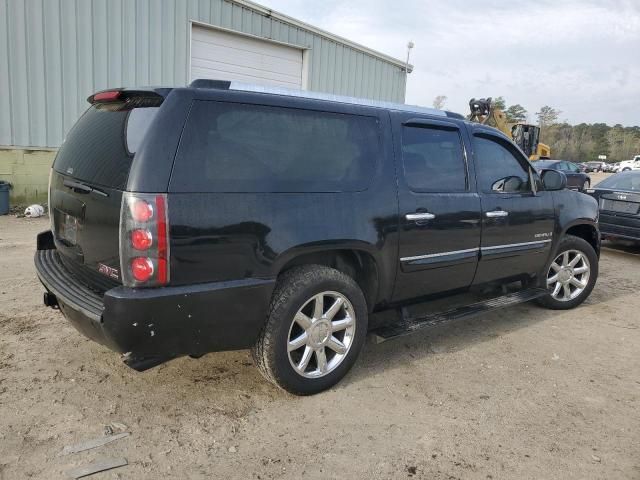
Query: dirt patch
(520, 393)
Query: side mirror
(553, 180)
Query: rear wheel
(571, 275)
(316, 327)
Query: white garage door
(221, 55)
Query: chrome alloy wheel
(568, 275)
(321, 334)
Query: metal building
(55, 53)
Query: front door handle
(497, 213)
(416, 217)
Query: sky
(580, 57)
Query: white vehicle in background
(626, 165)
(636, 163)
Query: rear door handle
(497, 213)
(416, 217)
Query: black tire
(570, 242)
(295, 287)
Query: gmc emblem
(108, 271)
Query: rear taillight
(106, 96)
(144, 240)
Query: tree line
(579, 143)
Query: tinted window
(100, 147)
(433, 160)
(498, 168)
(622, 181)
(228, 147)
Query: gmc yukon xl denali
(222, 216)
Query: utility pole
(410, 45)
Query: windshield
(622, 181)
(101, 145)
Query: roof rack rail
(246, 87)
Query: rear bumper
(151, 326)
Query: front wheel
(316, 327)
(571, 275)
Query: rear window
(230, 147)
(433, 160)
(101, 145)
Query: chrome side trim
(436, 255)
(511, 245)
(471, 250)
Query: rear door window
(230, 147)
(433, 160)
(100, 147)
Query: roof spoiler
(126, 99)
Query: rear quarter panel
(231, 236)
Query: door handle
(416, 217)
(497, 213)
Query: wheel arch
(588, 232)
(358, 263)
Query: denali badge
(622, 197)
(543, 235)
(108, 271)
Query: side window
(433, 160)
(573, 167)
(232, 147)
(499, 171)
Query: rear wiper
(82, 188)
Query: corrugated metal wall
(55, 53)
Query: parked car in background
(594, 166)
(619, 203)
(636, 163)
(581, 166)
(576, 180)
(608, 167)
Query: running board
(406, 324)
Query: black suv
(217, 217)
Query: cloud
(581, 57)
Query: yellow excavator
(526, 136)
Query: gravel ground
(521, 393)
